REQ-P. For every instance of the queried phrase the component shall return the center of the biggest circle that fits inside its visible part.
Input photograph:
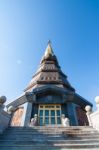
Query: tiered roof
(49, 72)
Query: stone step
(45, 148)
(49, 129)
(25, 138)
(46, 138)
(44, 129)
(52, 128)
(31, 138)
(48, 134)
(48, 141)
(47, 145)
(51, 133)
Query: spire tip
(49, 42)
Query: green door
(49, 114)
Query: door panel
(49, 114)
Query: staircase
(50, 138)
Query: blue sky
(71, 25)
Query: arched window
(46, 78)
(42, 78)
(54, 78)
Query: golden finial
(49, 50)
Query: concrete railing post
(4, 116)
(88, 109)
(2, 101)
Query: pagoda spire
(49, 72)
(49, 50)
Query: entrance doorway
(49, 114)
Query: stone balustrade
(4, 116)
(93, 117)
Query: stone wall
(81, 116)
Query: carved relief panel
(17, 117)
